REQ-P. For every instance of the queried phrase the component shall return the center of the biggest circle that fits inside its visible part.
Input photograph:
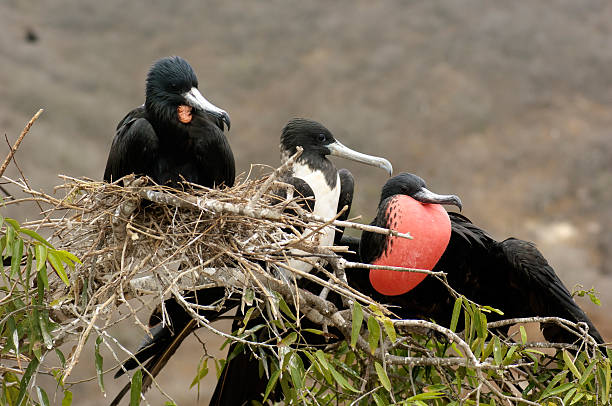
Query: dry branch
(15, 146)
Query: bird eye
(174, 86)
(321, 138)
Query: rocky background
(507, 104)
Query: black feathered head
(318, 142)
(172, 83)
(411, 185)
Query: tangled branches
(138, 244)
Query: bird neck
(311, 167)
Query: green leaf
(376, 309)
(99, 363)
(325, 367)
(42, 275)
(456, 313)
(569, 395)
(577, 398)
(374, 333)
(606, 388)
(380, 401)
(389, 329)
(41, 257)
(289, 339)
(382, 376)
(560, 389)
(42, 322)
(570, 364)
(508, 358)
(480, 319)
(42, 396)
(25, 380)
(13, 335)
(285, 309)
(67, 401)
(34, 235)
(313, 331)
(66, 256)
(13, 223)
(61, 357)
(356, 325)
(271, 384)
(335, 374)
(296, 370)
(426, 396)
(58, 266)
(248, 297)
(546, 392)
(594, 298)
(246, 319)
(202, 372)
(523, 335)
(10, 239)
(16, 259)
(489, 309)
(535, 351)
(135, 388)
(497, 354)
(28, 271)
(341, 380)
(457, 350)
(587, 373)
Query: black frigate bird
(175, 135)
(313, 174)
(511, 275)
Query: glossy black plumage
(151, 140)
(511, 275)
(156, 141)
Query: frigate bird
(176, 135)
(313, 174)
(509, 275)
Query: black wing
(302, 189)
(156, 351)
(213, 155)
(347, 189)
(511, 275)
(530, 276)
(373, 244)
(134, 148)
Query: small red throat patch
(430, 228)
(184, 113)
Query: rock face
(507, 105)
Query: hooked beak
(196, 100)
(427, 196)
(337, 149)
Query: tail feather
(158, 361)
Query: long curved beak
(196, 100)
(337, 149)
(427, 196)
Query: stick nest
(122, 233)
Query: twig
(8, 158)
(79, 348)
(274, 175)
